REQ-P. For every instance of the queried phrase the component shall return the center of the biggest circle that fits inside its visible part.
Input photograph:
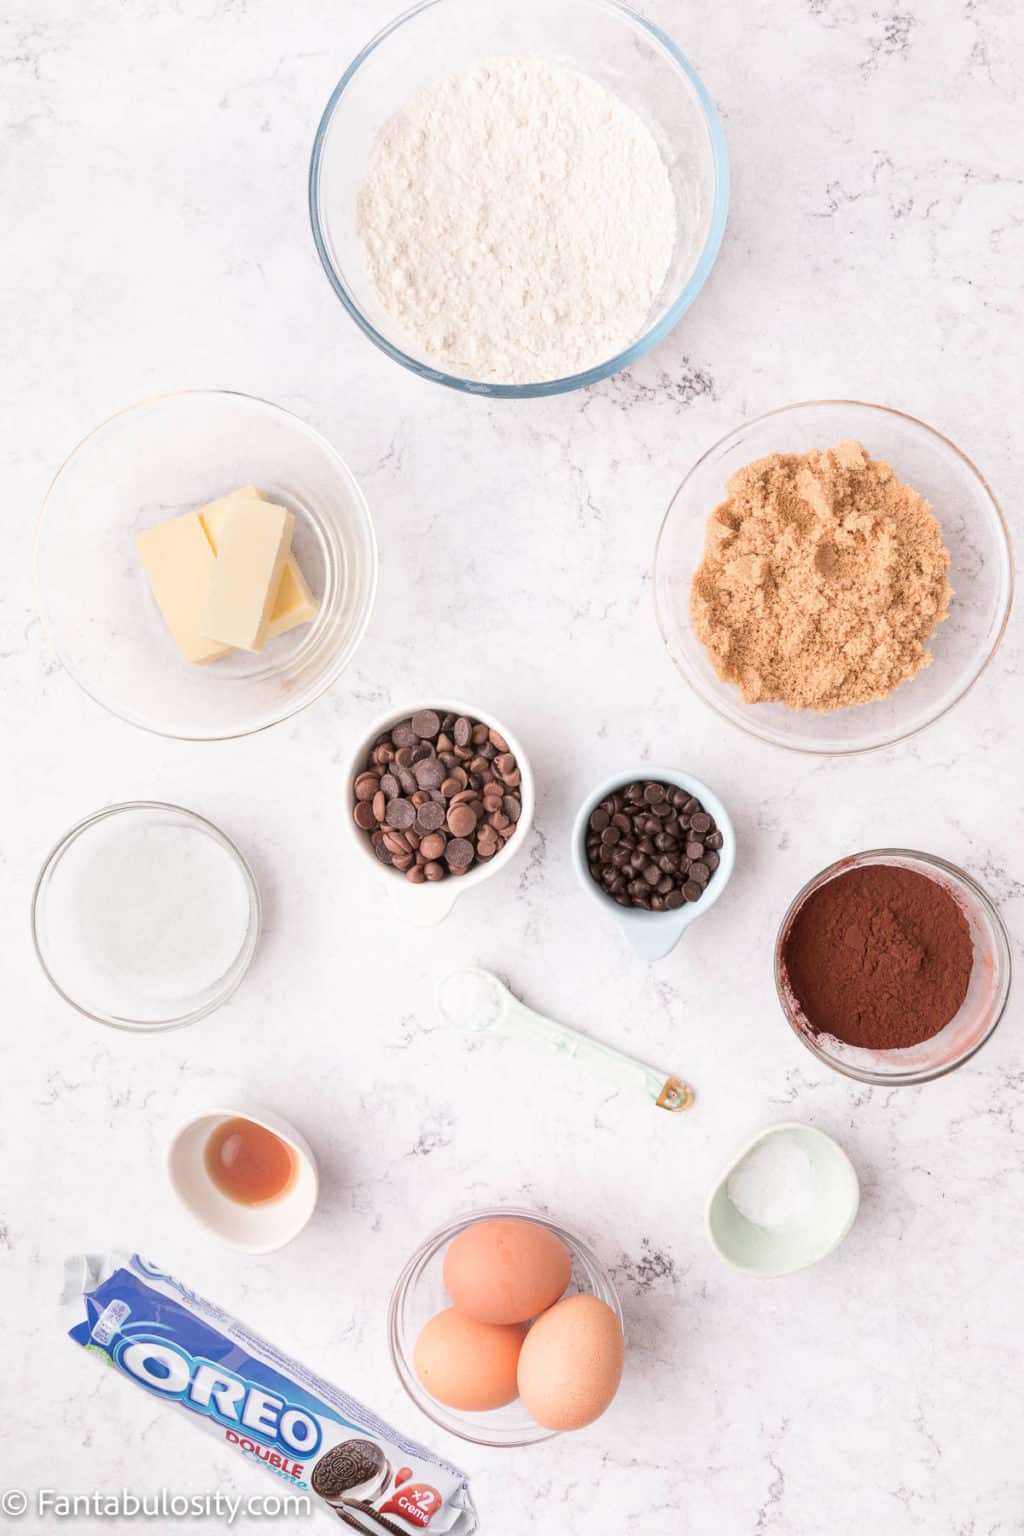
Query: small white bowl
(252, 1228)
(768, 1253)
(654, 934)
(424, 906)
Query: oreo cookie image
(352, 1472)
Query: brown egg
(571, 1363)
(506, 1269)
(467, 1364)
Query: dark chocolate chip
(651, 845)
(430, 816)
(429, 773)
(400, 814)
(403, 734)
(426, 723)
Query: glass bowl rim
(631, 354)
(330, 675)
(857, 860)
(241, 964)
(999, 522)
(414, 1266)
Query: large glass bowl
(980, 1012)
(981, 572)
(599, 38)
(420, 1294)
(169, 455)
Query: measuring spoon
(479, 999)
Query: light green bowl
(768, 1253)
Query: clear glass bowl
(966, 1032)
(981, 572)
(420, 1294)
(75, 954)
(169, 455)
(599, 38)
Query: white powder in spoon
(518, 221)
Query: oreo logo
(207, 1388)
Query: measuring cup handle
(653, 935)
(422, 906)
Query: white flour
(518, 221)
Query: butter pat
(253, 548)
(179, 561)
(295, 603)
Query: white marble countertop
(153, 172)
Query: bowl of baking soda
(517, 198)
(786, 1201)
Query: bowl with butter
(205, 565)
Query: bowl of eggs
(505, 1329)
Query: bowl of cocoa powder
(893, 967)
(833, 577)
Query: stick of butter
(179, 560)
(295, 603)
(254, 545)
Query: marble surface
(153, 171)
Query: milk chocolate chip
(438, 793)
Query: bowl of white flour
(518, 198)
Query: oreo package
(178, 1347)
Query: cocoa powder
(880, 957)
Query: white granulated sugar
(518, 221)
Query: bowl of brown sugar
(833, 577)
(893, 967)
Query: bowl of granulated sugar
(516, 198)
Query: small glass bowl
(601, 38)
(420, 1294)
(58, 944)
(966, 1032)
(981, 572)
(153, 461)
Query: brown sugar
(822, 580)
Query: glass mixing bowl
(966, 1032)
(169, 455)
(599, 38)
(981, 572)
(420, 1294)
